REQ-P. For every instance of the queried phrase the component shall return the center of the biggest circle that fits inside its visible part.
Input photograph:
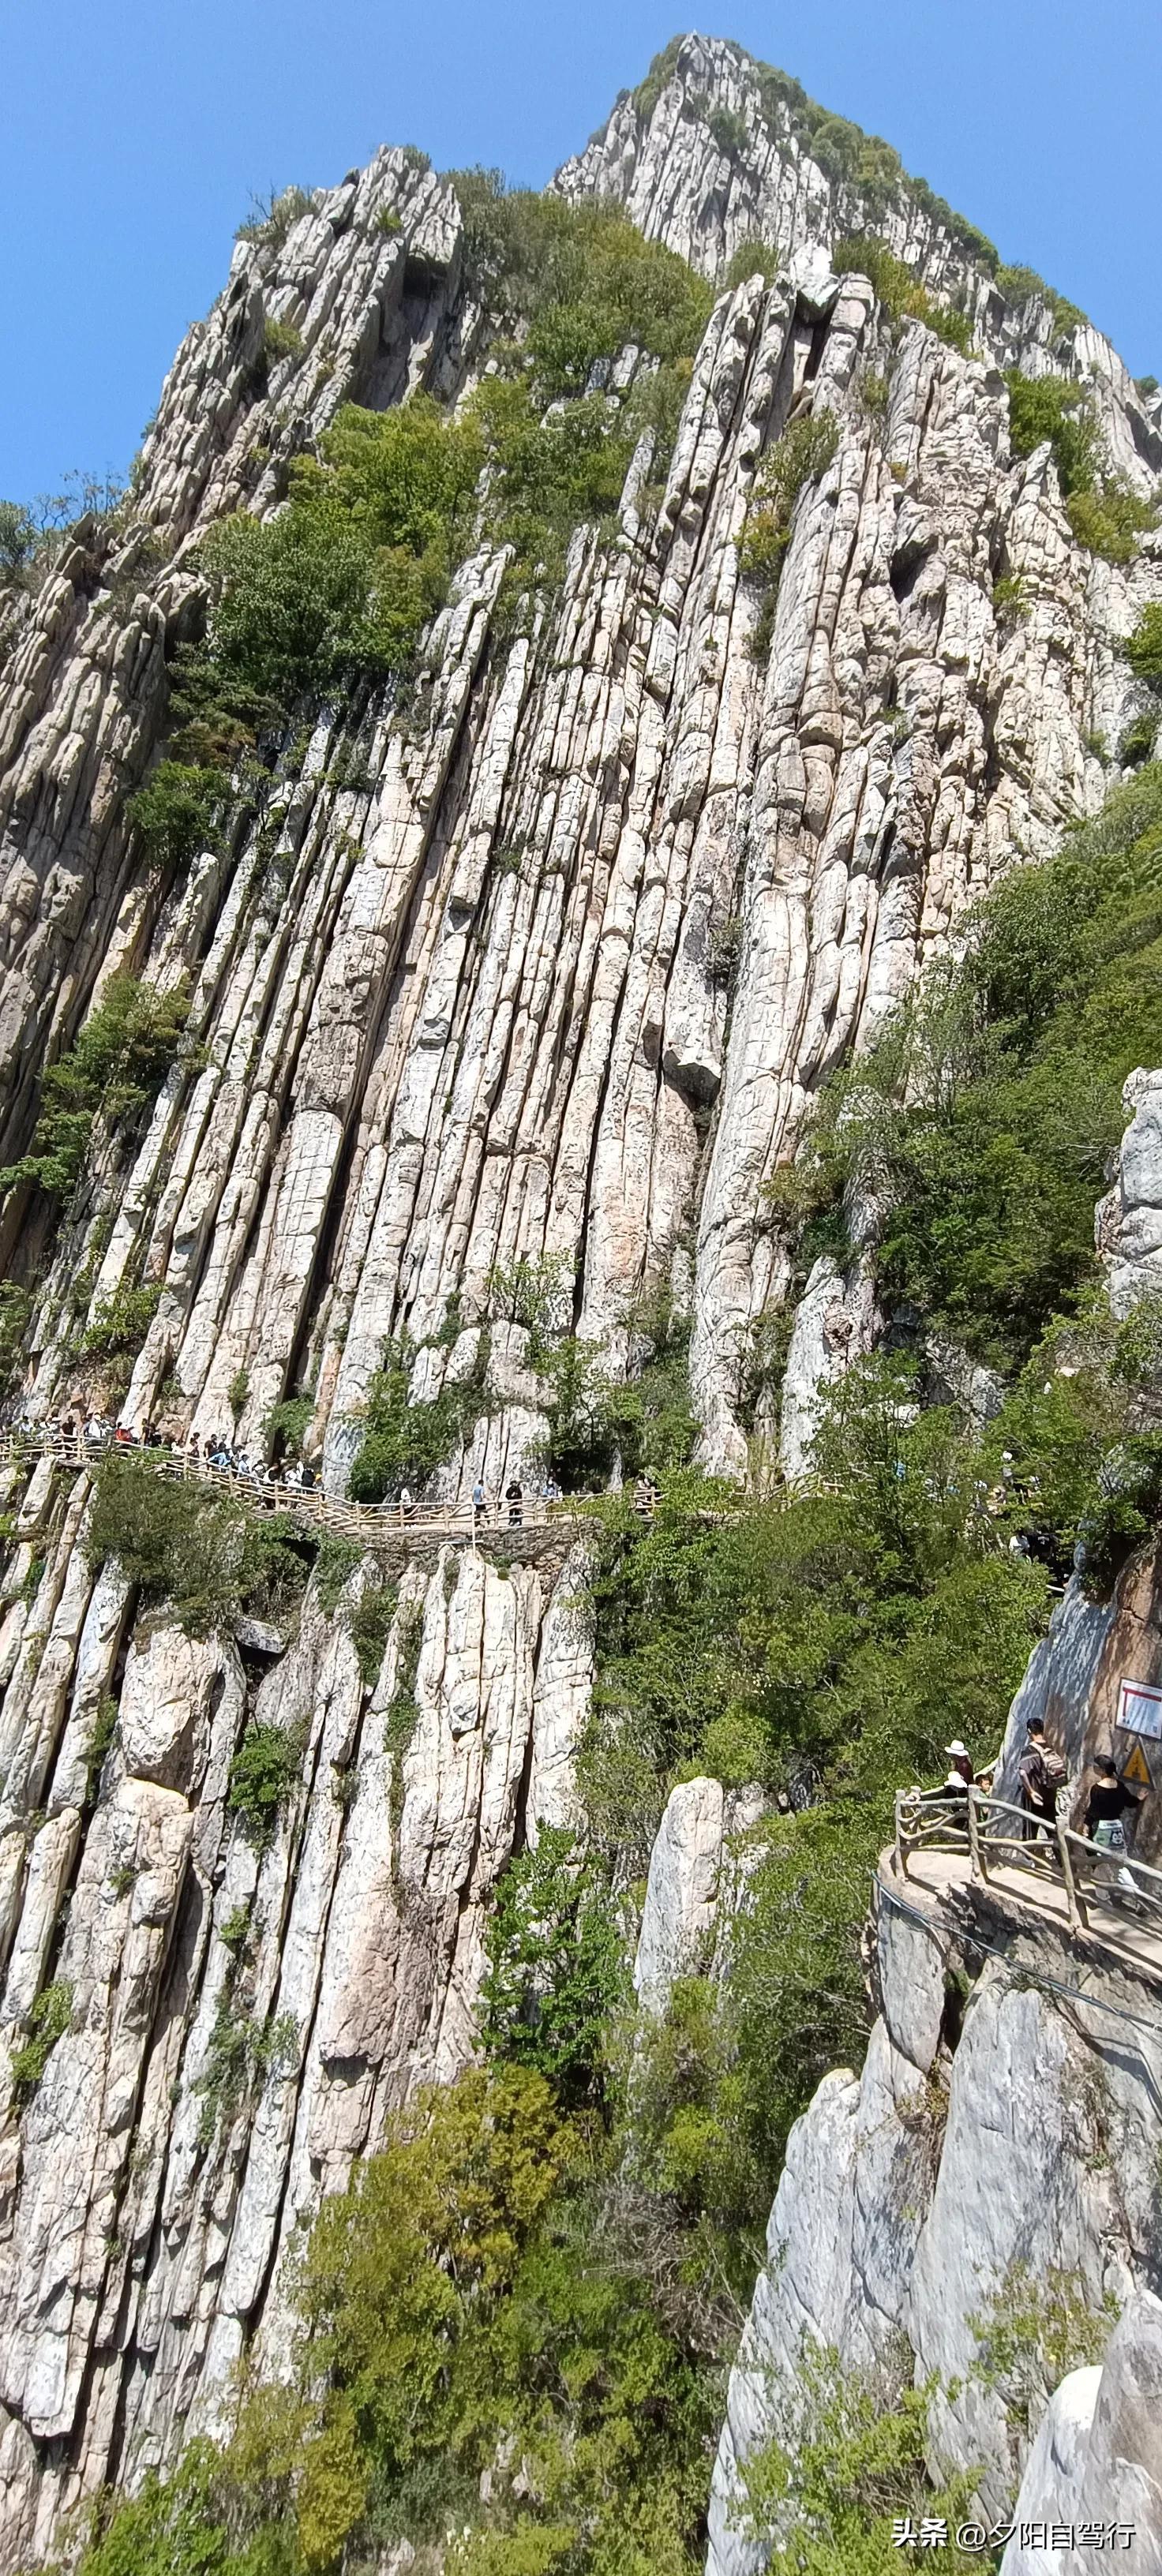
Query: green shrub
(690, 2124)
(115, 1069)
(273, 1562)
(264, 1773)
(581, 280)
(403, 1442)
(341, 582)
(121, 1323)
(389, 223)
(537, 1294)
(176, 811)
(729, 131)
(15, 1317)
(555, 1969)
(800, 456)
(19, 542)
(549, 475)
(280, 340)
(1104, 513)
(288, 1423)
(1032, 2332)
(200, 1552)
(751, 259)
(104, 1729)
(1143, 649)
(335, 1563)
(371, 1625)
(1013, 1067)
(271, 217)
(240, 2054)
(1011, 595)
(660, 73)
(339, 585)
(1022, 286)
(47, 2022)
(1137, 742)
(1110, 521)
(899, 289)
(1053, 408)
(403, 1714)
(822, 2496)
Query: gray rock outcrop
(951, 2192)
(1097, 2458)
(1129, 1221)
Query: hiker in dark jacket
(1110, 1802)
(1042, 1774)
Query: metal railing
(995, 1834)
(368, 1522)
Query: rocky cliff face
(457, 1000)
(991, 2159)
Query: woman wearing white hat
(962, 1775)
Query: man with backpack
(1042, 1775)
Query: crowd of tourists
(92, 1434)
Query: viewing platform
(947, 1846)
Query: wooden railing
(368, 1523)
(995, 1834)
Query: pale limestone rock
(681, 1893)
(1059, 1684)
(1123, 2464)
(840, 2246)
(835, 1324)
(911, 1969)
(564, 1679)
(1013, 2198)
(172, 1685)
(1054, 2476)
(1098, 2454)
(1129, 1222)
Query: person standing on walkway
(1111, 1813)
(1042, 1775)
(1109, 1804)
(514, 1497)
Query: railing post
(974, 1867)
(978, 1852)
(1077, 1916)
(901, 1834)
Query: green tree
(555, 1971)
(114, 1070)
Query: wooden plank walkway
(369, 1524)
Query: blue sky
(132, 133)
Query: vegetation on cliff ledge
(337, 587)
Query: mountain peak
(715, 150)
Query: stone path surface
(934, 1876)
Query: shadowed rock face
(411, 1065)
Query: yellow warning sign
(1138, 1769)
